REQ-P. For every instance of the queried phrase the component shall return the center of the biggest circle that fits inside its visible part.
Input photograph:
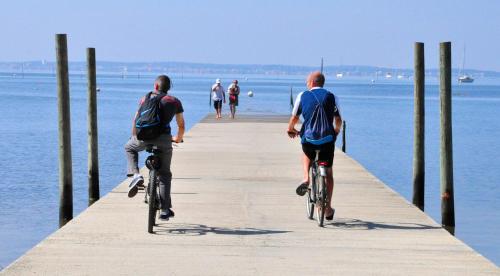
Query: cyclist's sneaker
(330, 217)
(302, 189)
(133, 186)
(166, 215)
(141, 186)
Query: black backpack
(148, 122)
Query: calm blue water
(379, 126)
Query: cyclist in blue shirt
(326, 127)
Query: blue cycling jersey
(306, 104)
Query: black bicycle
(317, 193)
(152, 194)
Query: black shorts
(326, 152)
(218, 104)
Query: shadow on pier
(357, 224)
(201, 230)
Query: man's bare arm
(338, 124)
(292, 132)
(179, 118)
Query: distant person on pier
(234, 92)
(169, 107)
(317, 132)
(218, 96)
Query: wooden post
(343, 136)
(447, 197)
(321, 66)
(93, 160)
(419, 132)
(65, 165)
(291, 97)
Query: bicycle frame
(317, 196)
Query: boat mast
(463, 64)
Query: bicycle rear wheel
(321, 200)
(152, 202)
(310, 194)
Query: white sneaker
(133, 186)
(166, 215)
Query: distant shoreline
(134, 68)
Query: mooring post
(65, 165)
(343, 136)
(419, 132)
(447, 197)
(93, 160)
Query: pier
(237, 213)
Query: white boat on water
(388, 75)
(463, 77)
(339, 75)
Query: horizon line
(243, 64)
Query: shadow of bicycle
(357, 224)
(201, 230)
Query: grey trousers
(164, 144)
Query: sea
(379, 135)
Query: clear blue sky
(347, 32)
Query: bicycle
(317, 194)
(152, 194)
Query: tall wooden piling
(419, 132)
(343, 136)
(93, 160)
(65, 165)
(447, 197)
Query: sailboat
(462, 77)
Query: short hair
(163, 82)
(319, 80)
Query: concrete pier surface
(237, 214)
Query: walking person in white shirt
(218, 97)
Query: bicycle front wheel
(321, 201)
(152, 202)
(310, 195)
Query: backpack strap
(160, 95)
(319, 103)
(147, 97)
(314, 95)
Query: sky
(343, 32)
